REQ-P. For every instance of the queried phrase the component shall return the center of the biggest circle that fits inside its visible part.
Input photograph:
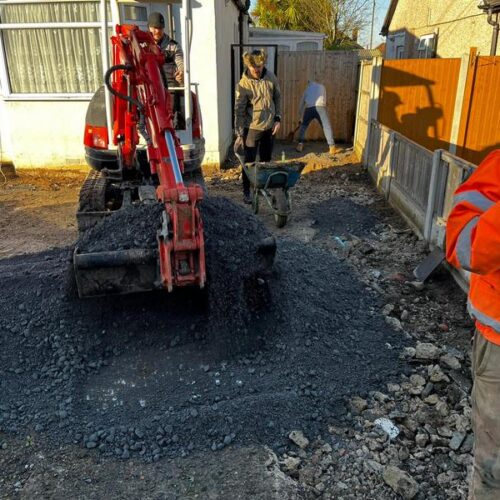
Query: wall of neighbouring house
(45, 133)
(227, 34)
(211, 68)
(50, 133)
(41, 134)
(459, 25)
(286, 40)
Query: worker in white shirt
(313, 107)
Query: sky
(381, 7)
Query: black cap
(156, 20)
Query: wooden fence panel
(417, 99)
(480, 122)
(337, 71)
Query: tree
(278, 14)
(339, 20)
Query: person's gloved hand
(179, 77)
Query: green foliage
(278, 14)
(337, 19)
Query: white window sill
(47, 97)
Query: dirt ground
(336, 210)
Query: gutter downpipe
(496, 27)
(186, 42)
(240, 30)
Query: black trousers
(257, 141)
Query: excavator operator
(173, 69)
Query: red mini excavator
(152, 174)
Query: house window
(52, 60)
(136, 14)
(426, 46)
(307, 46)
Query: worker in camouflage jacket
(174, 66)
(257, 112)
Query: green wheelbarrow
(272, 181)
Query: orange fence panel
(480, 121)
(417, 99)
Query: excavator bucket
(116, 272)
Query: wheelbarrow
(272, 181)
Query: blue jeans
(317, 113)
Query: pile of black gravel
(157, 375)
(134, 226)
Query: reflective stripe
(484, 318)
(464, 243)
(475, 198)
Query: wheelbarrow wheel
(280, 207)
(255, 201)
(280, 220)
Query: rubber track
(93, 193)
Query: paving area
(334, 375)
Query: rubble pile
(153, 375)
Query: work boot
(247, 199)
(334, 150)
(299, 147)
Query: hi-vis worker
(473, 244)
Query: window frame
(428, 43)
(5, 88)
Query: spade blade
(429, 264)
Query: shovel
(240, 154)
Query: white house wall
(40, 134)
(50, 133)
(211, 68)
(227, 34)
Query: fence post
(466, 104)
(358, 100)
(431, 199)
(374, 97)
(389, 170)
(459, 101)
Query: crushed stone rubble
(429, 405)
(359, 382)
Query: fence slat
(417, 99)
(337, 71)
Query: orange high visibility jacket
(473, 243)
